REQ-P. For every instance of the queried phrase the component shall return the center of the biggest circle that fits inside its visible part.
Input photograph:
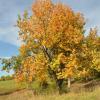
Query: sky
(9, 10)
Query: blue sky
(9, 9)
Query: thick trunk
(59, 83)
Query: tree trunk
(69, 83)
(59, 83)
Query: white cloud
(5, 57)
(8, 16)
(10, 35)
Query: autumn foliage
(54, 45)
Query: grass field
(11, 86)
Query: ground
(16, 92)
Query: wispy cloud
(8, 17)
(5, 57)
(10, 35)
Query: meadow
(13, 91)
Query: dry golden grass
(11, 86)
(28, 95)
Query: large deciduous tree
(55, 33)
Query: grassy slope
(27, 95)
(11, 86)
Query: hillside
(9, 90)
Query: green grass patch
(10, 86)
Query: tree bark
(59, 83)
(69, 83)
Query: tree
(90, 55)
(13, 63)
(55, 31)
(93, 43)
